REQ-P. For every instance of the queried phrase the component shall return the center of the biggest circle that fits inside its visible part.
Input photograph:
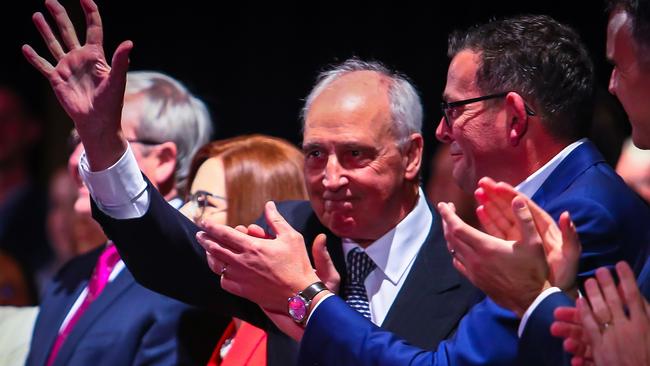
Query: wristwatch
(298, 305)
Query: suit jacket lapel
(313, 227)
(68, 288)
(579, 160)
(431, 275)
(111, 293)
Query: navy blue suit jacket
(610, 219)
(126, 325)
(536, 330)
(427, 309)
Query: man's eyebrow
(355, 145)
(310, 145)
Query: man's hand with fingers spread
(512, 273)
(90, 90)
(524, 253)
(560, 242)
(266, 270)
(612, 327)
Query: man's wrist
(299, 305)
(105, 151)
(526, 301)
(314, 304)
(543, 295)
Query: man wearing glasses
(518, 101)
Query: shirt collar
(395, 250)
(531, 184)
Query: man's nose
(335, 176)
(443, 132)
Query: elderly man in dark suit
(363, 151)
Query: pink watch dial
(297, 308)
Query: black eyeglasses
(446, 106)
(143, 142)
(205, 201)
(74, 140)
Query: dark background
(254, 62)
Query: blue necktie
(359, 266)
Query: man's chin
(640, 138)
(341, 225)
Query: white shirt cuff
(316, 307)
(531, 308)
(120, 190)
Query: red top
(248, 347)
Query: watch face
(297, 308)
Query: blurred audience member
(634, 167)
(231, 180)
(442, 187)
(70, 232)
(22, 204)
(14, 289)
(609, 127)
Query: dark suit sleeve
(160, 344)
(338, 335)
(536, 334)
(161, 251)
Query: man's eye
(355, 153)
(314, 154)
(454, 112)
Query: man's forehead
(338, 137)
(461, 76)
(619, 22)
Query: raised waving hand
(89, 89)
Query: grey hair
(170, 113)
(405, 105)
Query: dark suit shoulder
(297, 213)
(434, 297)
(301, 216)
(73, 273)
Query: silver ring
(452, 252)
(224, 267)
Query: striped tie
(359, 266)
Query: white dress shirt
(394, 254)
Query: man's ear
(413, 156)
(165, 155)
(518, 118)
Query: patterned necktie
(105, 264)
(359, 266)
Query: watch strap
(312, 290)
